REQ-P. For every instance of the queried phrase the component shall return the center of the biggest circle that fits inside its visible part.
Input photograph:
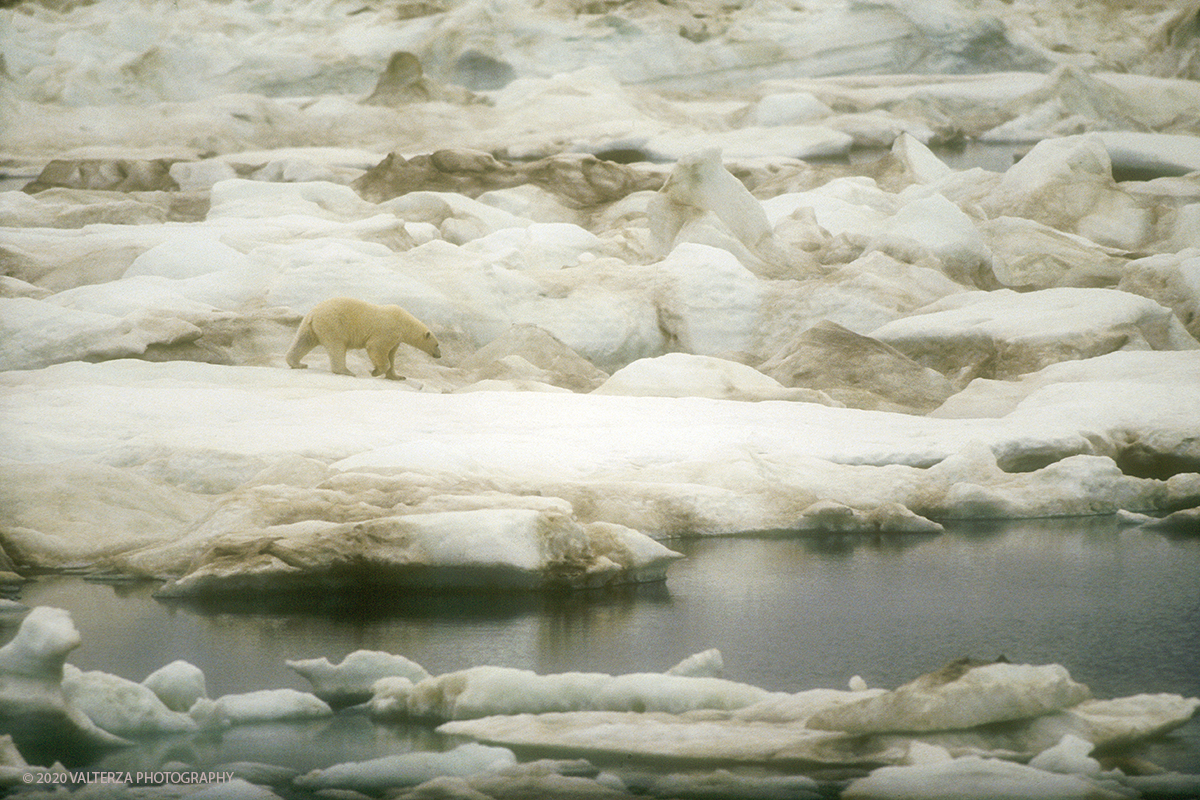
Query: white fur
(343, 323)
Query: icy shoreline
(579, 479)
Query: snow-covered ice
(974, 777)
(184, 459)
(490, 691)
(121, 706)
(409, 770)
(266, 705)
(819, 725)
(695, 269)
(961, 696)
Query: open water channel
(1119, 607)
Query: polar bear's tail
(304, 342)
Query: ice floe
(350, 681)
(938, 729)
(410, 769)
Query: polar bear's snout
(431, 345)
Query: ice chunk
(178, 684)
(724, 784)
(408, 769)
(121, 706)
(986, 334)
(1171, 280)
(268, 705)
(507, 548)
(935, 225)
(485, 691)
(705, 736)
(778, 729)
(854, 206)
(36, 333)
(1028, 254)
(1067, 184)
(710, 302)
(857, 371)
(1127, 719)
(831, 517)
(140, 297)
(974, 778)
(539, 348)
(655, 465)
(1071, 756)
(920, 163)
(33, 708)
(978, 488)
(137, 510)
(701, 185)
(40, 647)
(785, 108)
(201, 175)
(961, 695)
(350, 681)
(187, 257)
(256, 199)
(708, 664)
(539, 246)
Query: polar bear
(343, 323)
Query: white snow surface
(155, 448)
(148, 303)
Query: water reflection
(372, 603)
(292, 746)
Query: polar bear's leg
(383, 358)
(337, 356)
(391, 362)
(302, 345)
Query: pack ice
(659, 314)
(696, 269)
(971, 725)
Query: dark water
(1120, 608)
